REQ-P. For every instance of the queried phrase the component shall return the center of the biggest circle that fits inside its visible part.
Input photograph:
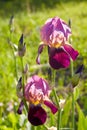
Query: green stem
(23, 83)
(72, 69)
(32, 127)
(16, 75)
(56, 97)
(22, 73)
(59, 110)
(13, 52)
(73, 102)
(54, 91)
(73, 112)
(59, 120)
(45, 127)
(57, 102)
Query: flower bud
(19, 88)
(21, 46)
(11, 21)
(76, 77)
(25, 69)
(75, 80)
(69, 23)
(21, 106)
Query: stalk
(57, 102)
(13, 52)
(32, 127)
(25, 104)
(73, 102)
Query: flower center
(36, 97)
(57, 39)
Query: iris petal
(36, 86)
(54, 24)
(62, 26)
(53, 108)
(36, 115)
(71, 51)
(58, 58)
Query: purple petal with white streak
(71, 51)
(53, 108)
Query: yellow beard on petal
(56, 45)
(36, 102)
(35, 99)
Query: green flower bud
(75, 80)
(21, 46)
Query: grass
(29, 23)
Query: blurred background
(29, 16)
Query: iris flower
(55, 34)
(37, 93)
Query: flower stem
(13, 52)
(72, 69)
(45, 127)
(56, 98)
(59, 110)
(22, 73)
(73, 102)
(59, 119)
(25, 104)
(73, 112)
(32, 127)
(57, 102)
(54, 91)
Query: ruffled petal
(40, 49)
(62, 26)
(53, 108)
(36, 86)
(21, 106)
(71, 51)
(58, 58)
(54, 24)
(37, 115)
(46, 31)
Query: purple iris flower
(55, 34)
(37, 92)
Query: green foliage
(82, 121)
(66, 112)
